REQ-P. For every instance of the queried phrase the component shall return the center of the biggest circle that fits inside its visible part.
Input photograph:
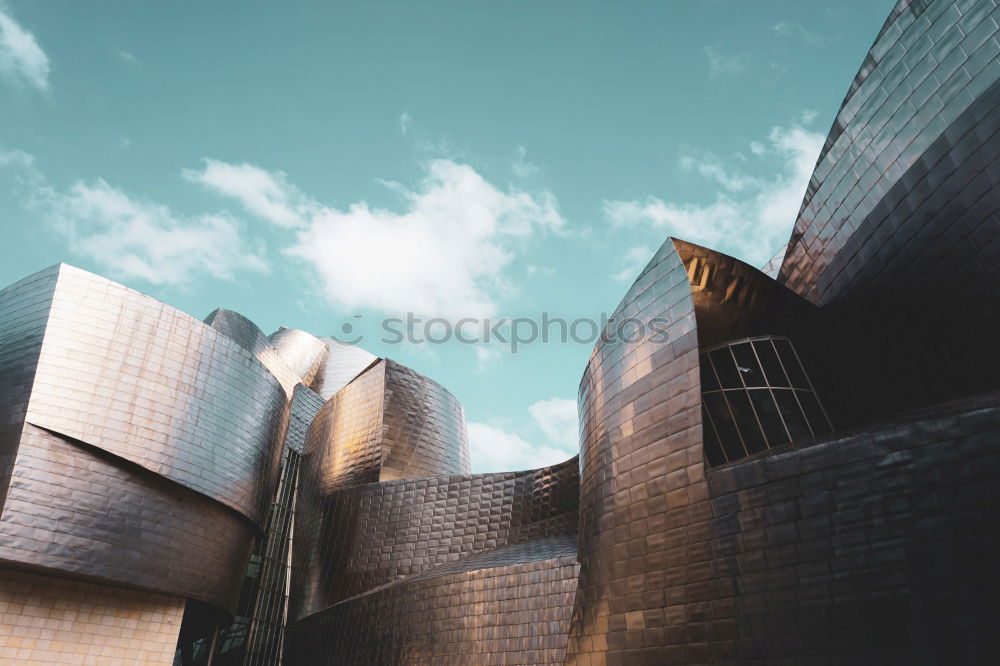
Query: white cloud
(495, 449)
(635, 260)
(720, 64)
(405, 120)
(128, 58)
(22, 61)
(557, 418)
(267, 194)
(799, 32)
(443, 255)
(145, 240)
(750, 216)
(134, 238)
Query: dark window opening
(755, 396)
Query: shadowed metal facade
(799, 468)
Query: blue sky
(314, 164)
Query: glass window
(767, 412)
(746, 363)
(726, 369)
(753, 438)
(713, 450)
(769, 359)
(708, 381)
(791, 363)
(729, 436)
(795, 421)
(756, 395)
(817, 419)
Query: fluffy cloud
(22, 61)
(557, 418)
(750, 216)
(135, 238)
(267, 194)
(141, 239)
(442, 255)
(495, 448)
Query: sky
(344, 168)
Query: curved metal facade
(340, 366)
(145, 445)
(140, 447)
(641, 465)
(510, 606)
(158, 388)
(301, 351)
(905, 190)
(363, 537)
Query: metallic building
(798, 468)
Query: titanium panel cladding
(370, 535)
(157, 387)
(77, 510)
(342, 364)
(909, 158)
(424, 427)
(641, 463)
(301, 351)
(513, 609)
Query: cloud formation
(443, 254)
(750, 216)
(266, 194)
(495, 448)
(22, 60)
(557, 418)
(136, 238)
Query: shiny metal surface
(77, 510)
(424, 427)
(359, 538)
(641, 464)
(906, 162)
(138, 379)
(508, 606)
(140, 443)
(25, 306)
(389, 423)
(246, 334)
(302, 352)
(340, 366)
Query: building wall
(25, 309)
(907, 160)
(146, 441)
(340, 366)
(47, 621)
(509, 608)
(150, 384)
(77, 510)
(424, 423)
(873, 547)
(642, 469)
(373, 534)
